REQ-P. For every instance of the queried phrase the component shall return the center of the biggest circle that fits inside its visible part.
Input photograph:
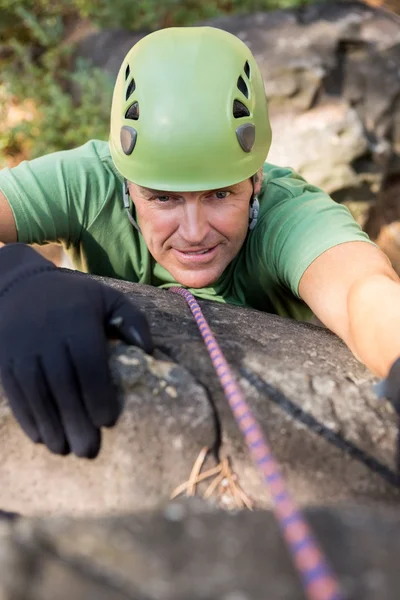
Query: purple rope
(313, 568)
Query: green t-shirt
(75, 197)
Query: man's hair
(257, 176)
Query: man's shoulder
(280, 180)
(94, 170)
(99, 148)
(272, 172)
(282, 185)
(89, 172)
(94, 152)
(278, 185)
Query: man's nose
(194, 225)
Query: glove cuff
(19, 261)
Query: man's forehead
(148, 190)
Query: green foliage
(155, 14)
(71, 105)
(72, 101)
(39, 21)
(62, 120)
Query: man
(180, 194)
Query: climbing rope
(317, 577)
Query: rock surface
(190, 550)
(383, 223)
(334, 439)
(166, 421)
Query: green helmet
(189, 111)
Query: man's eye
(163, 198)
(221, 195)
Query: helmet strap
(127, 204)
(254, 207)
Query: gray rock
(383, 223)
(190, 550)
(334, 439)
(166, 422)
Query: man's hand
(54, 350)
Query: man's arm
(353, 289)
(8, 230)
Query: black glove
(54, 351)
(391, 389)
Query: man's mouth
(196, 252)
(196, 255)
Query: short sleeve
(299, 222)
(55, 197)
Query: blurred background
(331, 71)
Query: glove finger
(90, 357)
(19, 404)
(126, 321)
(43, 408)
(83, 437)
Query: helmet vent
(131, 89)
(127, 73)
(240, 110)
(246, 135)
(247, 69)
(133, 112)
(128, 137)
(241, 84)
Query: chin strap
(253, 212)
(254, 206)
(127, 205)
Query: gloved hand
(54, 351)
(391, 386)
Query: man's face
(193, 235)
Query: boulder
(383, 222)
(334, 439)
(192, 550)
(167, 420)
